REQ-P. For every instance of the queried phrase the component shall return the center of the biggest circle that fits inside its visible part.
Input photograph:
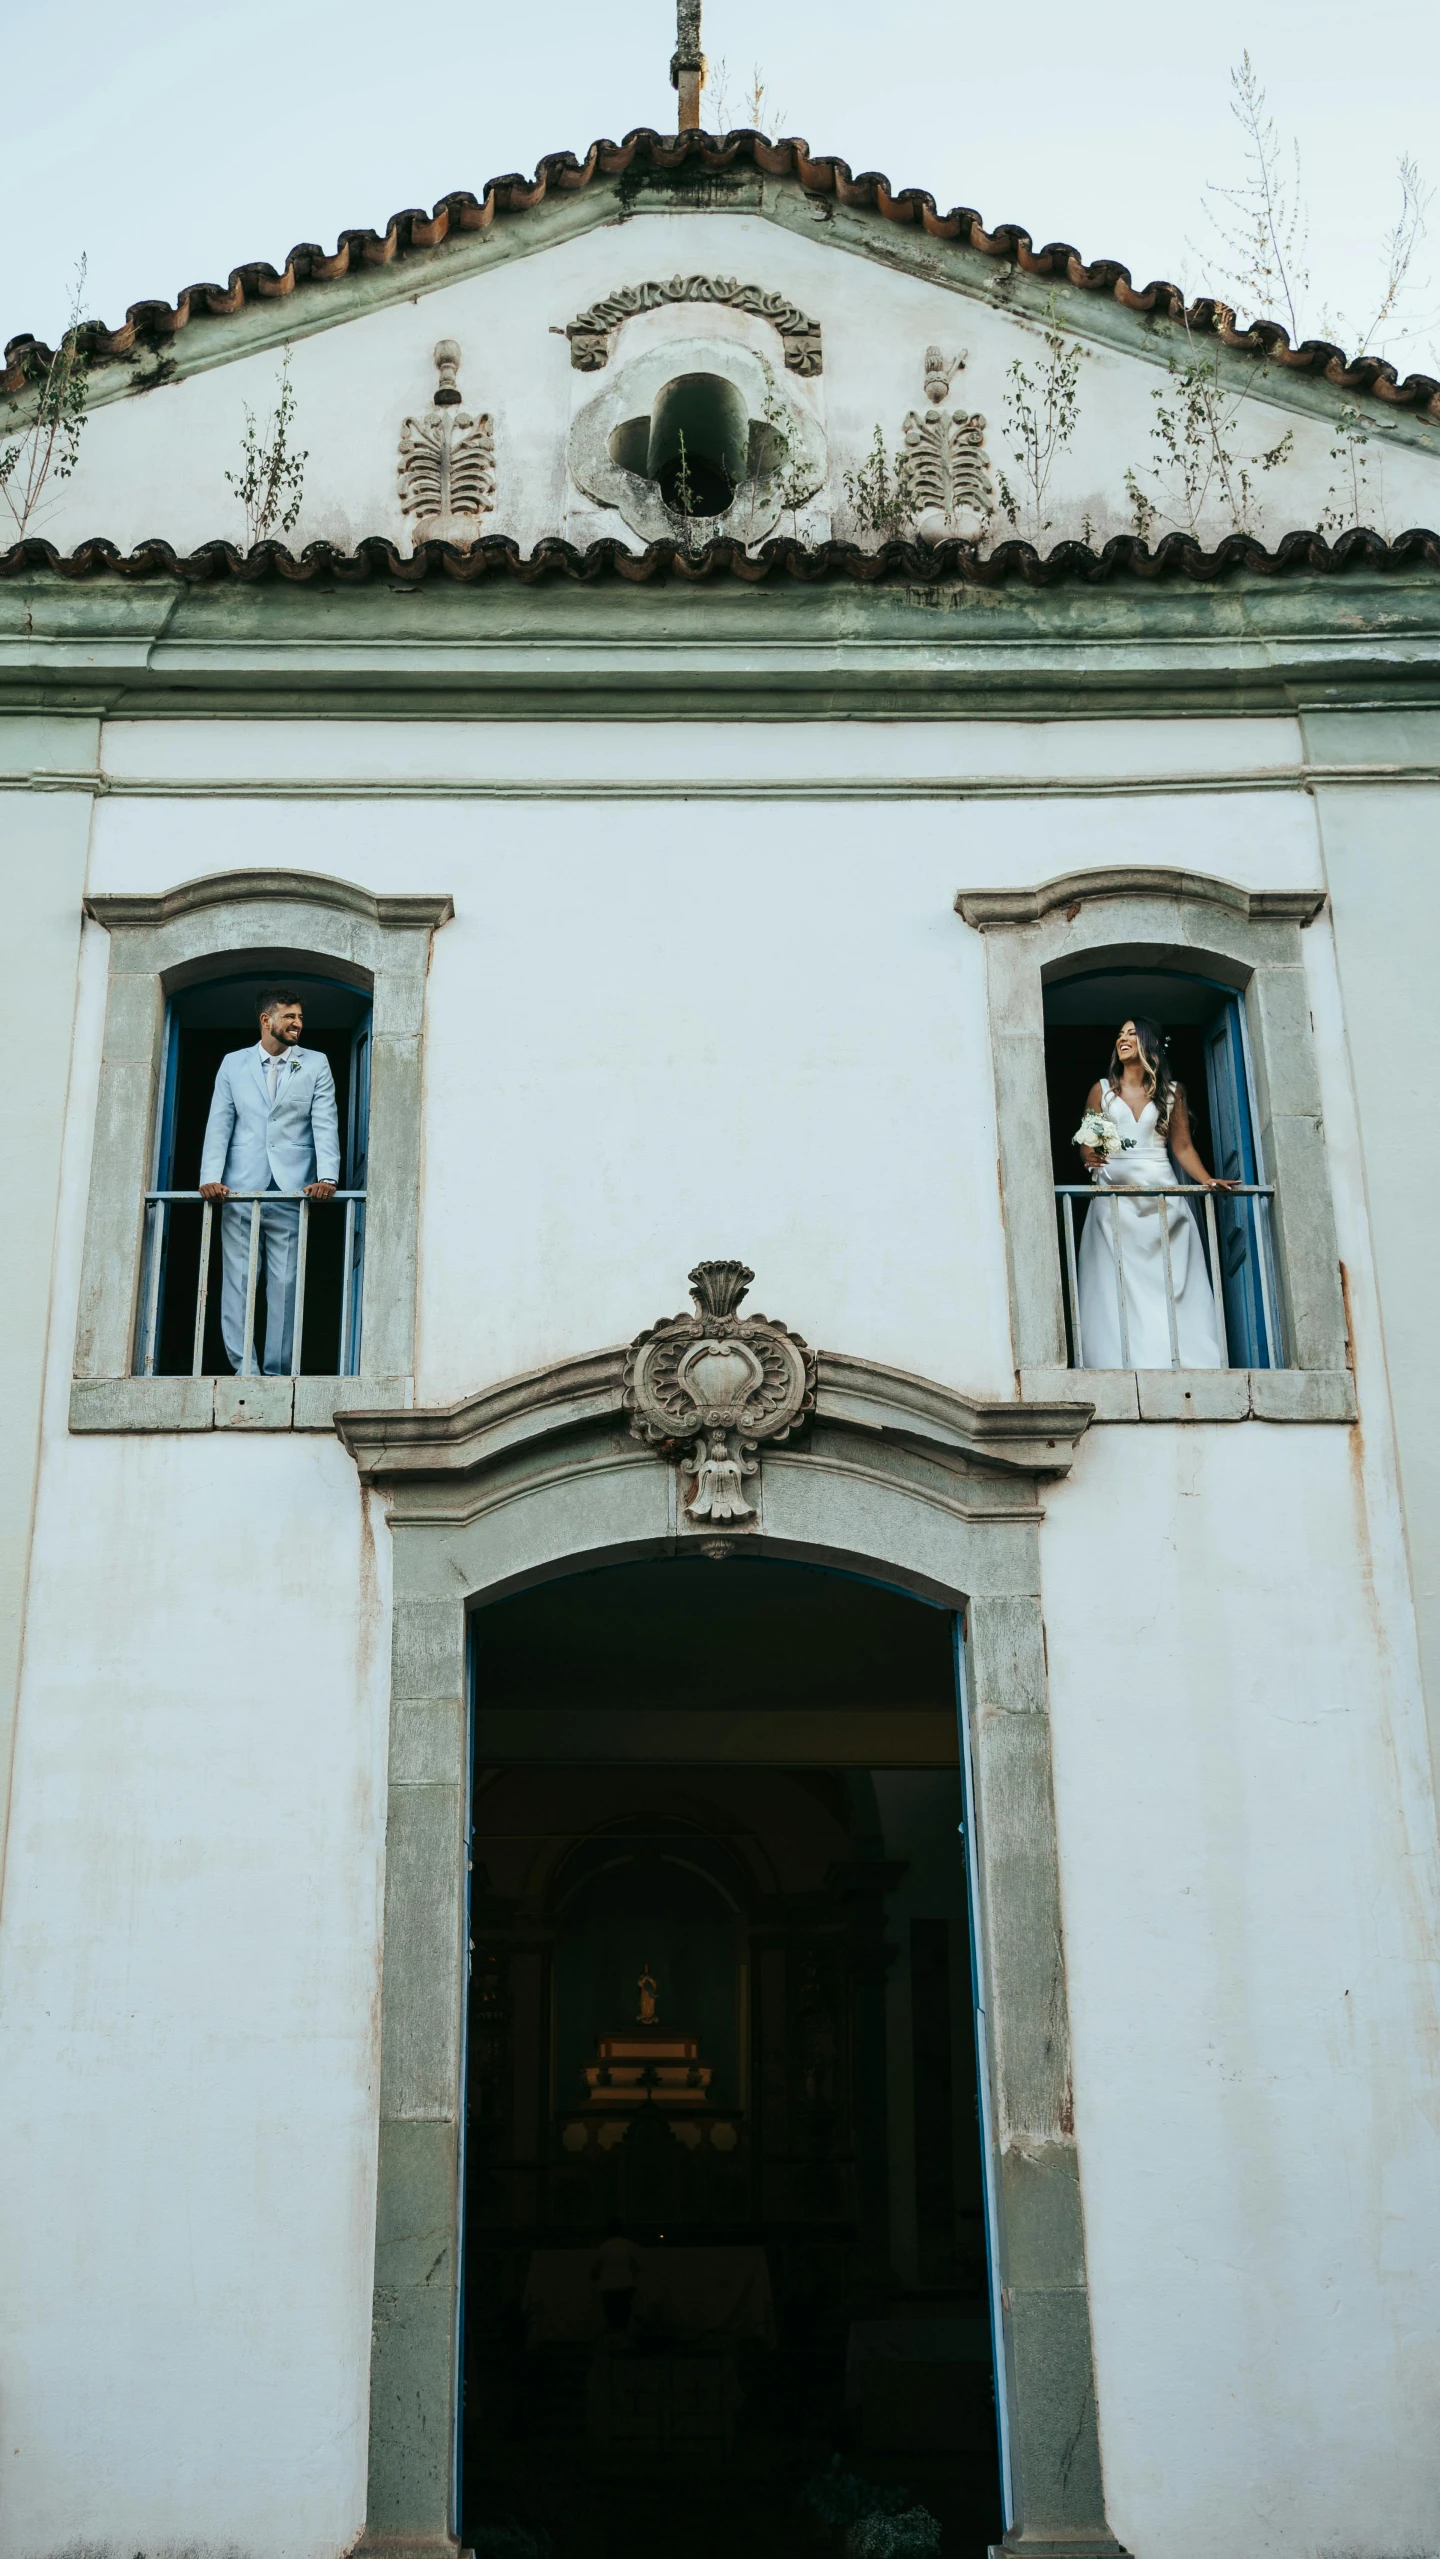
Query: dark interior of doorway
(721, 1997)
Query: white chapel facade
(914, 1808)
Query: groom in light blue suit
(272, 1127)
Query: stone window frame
(250, 920)
(1147, 917)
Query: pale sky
(168, 143)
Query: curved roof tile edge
(1177, 557)
(155, 323)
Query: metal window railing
(1249, 1238)
(158, 1207)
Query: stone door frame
(908, 1481)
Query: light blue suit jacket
(249, 1142)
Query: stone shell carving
(708, 1388)
(590, 334)
(949, 469)
(447, 463)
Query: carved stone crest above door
(709, 1388)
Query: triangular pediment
(860, 333)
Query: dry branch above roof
(645, 153)
(1178, 557)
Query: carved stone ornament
(708, 1388)
(447, 463)
(590, 335)
(949, 470)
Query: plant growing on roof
(1199, 465)
(1042, 410)
(685, 487)
(49, 447)
(882, 491)
(752, 100)
(1398, 248)
(270, 483)
(1353, 497)
(1259, 227)
(793, 480)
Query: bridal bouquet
(1101, 1136)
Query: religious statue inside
(725, 2217)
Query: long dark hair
(1165, 1090)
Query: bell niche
(705, 440)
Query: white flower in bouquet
(1101, 1136)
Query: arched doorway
(900, 1481)
(721, 1999)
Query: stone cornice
(1031, 1439)
(289, 888)
(462, 1439)
(988, 908)
(934, 648)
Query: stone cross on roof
(687, 63)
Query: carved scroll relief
(949, 470)
(590, 335)
(708, 1388)
(447, 463)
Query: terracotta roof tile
(1177, 558)
(645, 152)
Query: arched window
(192, 1243)
(1260, 1328)
(1204, 1024)
(185, 966)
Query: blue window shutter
(1238, 1222)
(357, 1147)
(357, 1160)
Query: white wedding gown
(1135, 1227)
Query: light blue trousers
(278, 1251)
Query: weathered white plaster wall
(694, 759)
(1379, 852)
(188, 1980)
(44, 846)
(356, 381)
(659, 1028)
(1248, 1873)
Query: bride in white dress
(1142, 1100)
